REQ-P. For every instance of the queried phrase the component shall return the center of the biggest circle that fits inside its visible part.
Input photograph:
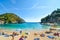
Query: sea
(25, 26)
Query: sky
(29, 10)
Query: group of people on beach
(21, 38)
(41, 35)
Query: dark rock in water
(10, 18)
(54, 17)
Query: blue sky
(29, 10)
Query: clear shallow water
(25, 26)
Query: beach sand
(31, 35)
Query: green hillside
(54, 17)
(8, 18)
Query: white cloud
(16, 8)
(35, 5)
(33, 20)
(49, 4)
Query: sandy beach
(31, 35)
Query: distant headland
(53, 18)
(10, 18)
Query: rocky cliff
(54, 17)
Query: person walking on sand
(21, 38)
(12, 37)
(13, 34)
(25, 37)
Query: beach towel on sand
(36, 39)
(51, 37)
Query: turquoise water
(25, 26)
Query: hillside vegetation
(9, 18)
(54, 17)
